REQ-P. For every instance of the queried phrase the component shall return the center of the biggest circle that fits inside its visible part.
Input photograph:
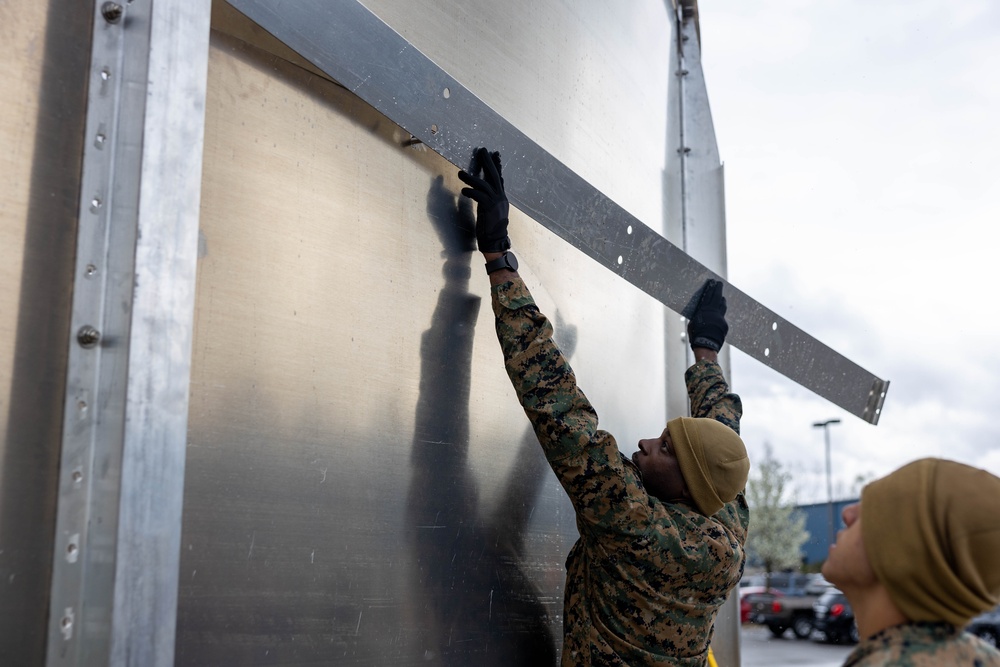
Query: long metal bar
(357, 49)
(117, 544)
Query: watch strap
(504, 261)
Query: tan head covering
(932, 533)
(713, 461)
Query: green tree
(777, 529)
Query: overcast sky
(860, 141)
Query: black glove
(708, 327)
(492, 207)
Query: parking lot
(760, 649)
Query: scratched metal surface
(356, 48)
(361, 485)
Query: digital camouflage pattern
(923, 645)
(646, 578)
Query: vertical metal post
(117, 543)
(696, 221)
(829, 479)
(829, 490)
(694, 192)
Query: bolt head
(88, 336)
(112, 12)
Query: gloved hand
(708, 327)
(492, 207)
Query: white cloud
(860, 142)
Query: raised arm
(585, 459)
(541, 376)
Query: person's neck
(874, 610)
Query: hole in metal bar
(620, 260)
(434, 129)
(446, 92)
(66, 624)
(767, 352)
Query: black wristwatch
(504, 261)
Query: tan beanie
(713, 461)
(932, 533)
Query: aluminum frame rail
(357, 49)
(121, 479)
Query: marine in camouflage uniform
(646, 578)
(661, 535)
(918, 560)
(923, 645)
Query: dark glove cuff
(495, 245)
(701, 341)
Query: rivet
(88, 336)
(112, 12)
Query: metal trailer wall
(361, 485)
(360, 488)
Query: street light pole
(829, 484)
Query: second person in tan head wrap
(919, 558)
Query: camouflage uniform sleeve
(710, 395)
(586, 460)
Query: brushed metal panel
(361, 485)
(586, 82)
(41, 130)
(361, 52)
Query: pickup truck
(791, 606)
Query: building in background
(816, 547)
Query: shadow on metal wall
(478, 599)
(31, 446)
